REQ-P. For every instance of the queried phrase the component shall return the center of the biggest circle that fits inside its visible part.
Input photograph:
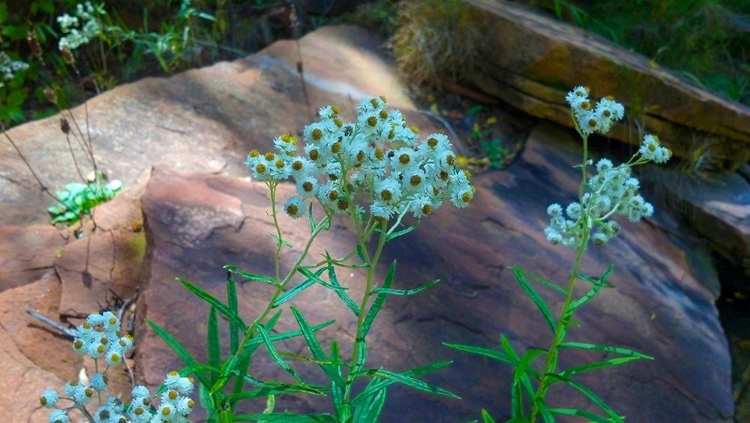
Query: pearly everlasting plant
(373, 172)
(99, 338)
(605, 192)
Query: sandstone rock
(27, 253)
(531, 61)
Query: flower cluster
(378, 156)
(592, 118)
(9, 67)
(99, 337)
(78, 34)
(611, 191)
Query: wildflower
(651, 150)
(295, 207)
(49, 398)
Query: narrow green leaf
(275, 354)
(580, 413)
(412, 291)
(370, 411)
(524, 363)
(605, 348)
(316, 277)
(590, 395)
(288, 295)
(271, 388)
(213, 342)
(234, 340)
(379, 301)
(251, 276)
(178, 349)
(545, 412)
(372, 388)
(220, 307)
(254, 342)
(340, 292)
(598, 365)
(541, 280)
(538, 300)
(397, 234)
(315, 348)
(337, 389)
(224, 375)
(409, 381)
(486, 417)
(487, 352)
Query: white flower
(653, 151)
(295, 207)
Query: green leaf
(316, 278)
(372, 313)
(605, 348)
(252, 343)
(234, 342)
(523, 364)
(487, 352)
(580, 413)
(540, 279)
(538, 300)
(271, 388)
(16, 32)
(220, 307)
(17, 97)
(397, 234)
(473, 110)
(369, 411)
(373, 388)
(288, 295)
(251, 276)
(590, 395)
(597, 365)
(274, 353)
(227, 369)
(340, 291)
(213, 342)
(412, 291)
(178, 349)
(332, 371)
(486, 417)
(403, 378)
(3, 12)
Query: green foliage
(79, 199)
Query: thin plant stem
(561, 329)
(372, 263)
(566, 314)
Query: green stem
(566, 314)
(561, 330)
(372, 263)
